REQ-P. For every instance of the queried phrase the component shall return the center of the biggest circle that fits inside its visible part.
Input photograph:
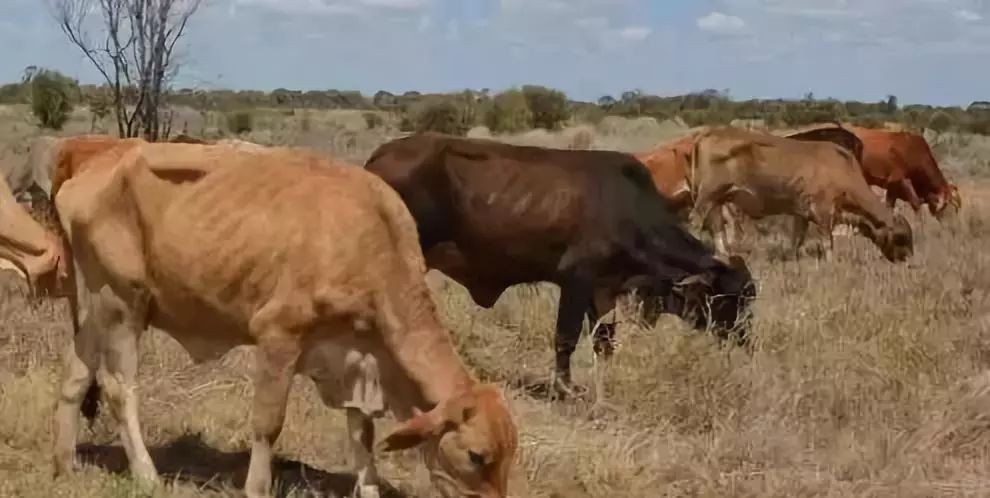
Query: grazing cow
(492, 215)
(670, 167)
(315, 263)
(764, 175)
(902, 163)
(34, 252)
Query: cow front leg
(275, 357)
(574, 300)
(361, 432)
(716, 225)
(799, 233)
(603, 338)
(121, 323)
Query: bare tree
(135, 55)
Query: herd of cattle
(321, 265)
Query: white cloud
(330, 7)
(396, 4)
(968, 15)
(717, 22)
(635, 33)
(425, 22)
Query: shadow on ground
(189, 460)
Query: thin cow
(492, 215)
(314, 263)
(902, 163)
(814, 181)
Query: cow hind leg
(275, 362)
(120, 381)
(80, 361)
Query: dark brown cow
(902, 163)
(834, 133)
(491, 215)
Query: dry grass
(869, 379)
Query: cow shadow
(188, 459)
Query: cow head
(469, 443)
(720, 297)
(27, 245)
(947, 202)
(896, 242)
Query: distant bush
(868, 122)
(373, 120)
(980, 125)
(940, 122)
(442, 116)
(240, 121)
(51, 97)
(509, 113)
(548, 106)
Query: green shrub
(240, 122)
(940, 122)
(51, 97)
(509, 113)
(442, 116)
(980, 125)
(548, 106)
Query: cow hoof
(602, 409)
(568, 390)
(366, 491)
(63, 468)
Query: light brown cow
(315, 263)
(764, 175)
(32, 250)
(669, 166)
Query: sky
(923, 51)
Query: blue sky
(923, 51)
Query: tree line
(53, 95)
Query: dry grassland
(869, 379)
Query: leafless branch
(135, 56)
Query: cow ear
(412, 432)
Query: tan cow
(820, 182)
(315, 263)
(31, 250)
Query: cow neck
(424, 350)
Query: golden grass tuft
(868, 379)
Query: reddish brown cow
(902, 163)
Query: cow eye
(476, 458)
